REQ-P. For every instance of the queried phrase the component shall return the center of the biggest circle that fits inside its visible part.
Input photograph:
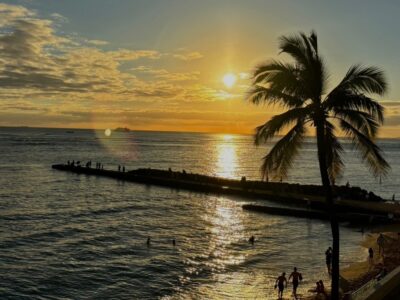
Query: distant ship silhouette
(122, 129)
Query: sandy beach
(359, 273)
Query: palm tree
(300, 88)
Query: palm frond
(280, 158)
(362, 121)
(334, 151)
(298, 47)
(277, 123)
(279, 77)
(371, 153)
(304, 49)
(360, 79)
(259, 94)
(347, 100)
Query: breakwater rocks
(311, 196)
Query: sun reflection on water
(227, 231)
(226, 162)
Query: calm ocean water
(68, 236)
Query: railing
(364, 291)
(378, 289)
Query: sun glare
(107, 132)
(229, 80)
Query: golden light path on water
(226, 160)
(226, 224)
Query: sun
(229, 80)
(107, 132)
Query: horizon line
(168, 131)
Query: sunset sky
(159, 65)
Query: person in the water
(148, 241)
(251, 240)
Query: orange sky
(153, 67)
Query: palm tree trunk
(331, 208)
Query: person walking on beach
(296, 277)
(328, 259)
(381, 241)
(371, 257)
(281, 283)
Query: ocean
(69, 236)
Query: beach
(358, 274)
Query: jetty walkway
(348, 199)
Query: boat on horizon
(122, 129)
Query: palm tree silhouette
(300, 88)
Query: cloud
(97, 42)
(188, 56)
(48, 77)
(58, 17)
(33, 57)
(164, 74)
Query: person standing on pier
(119, 168)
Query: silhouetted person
(393, 197)
(123, 169)
(119, 168)
(73, 163)
(173, 242)
(371, 257)
(296, 278)
(251, 240)
(68, 163)
(328, 259)
(148, 241)
(281, 283)
(321, 288)
(381, 241)
(317, 288)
